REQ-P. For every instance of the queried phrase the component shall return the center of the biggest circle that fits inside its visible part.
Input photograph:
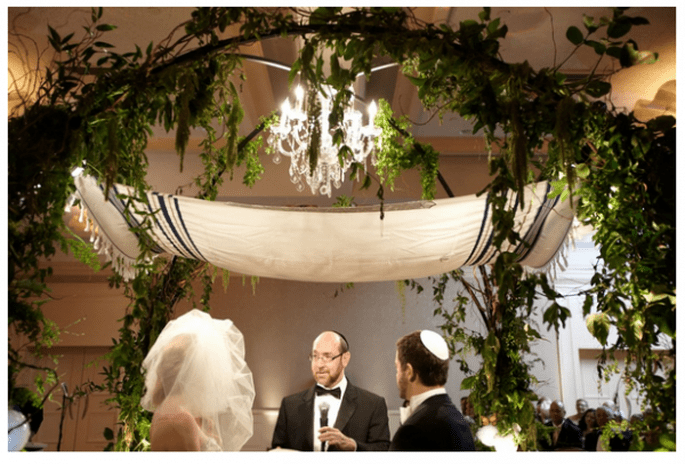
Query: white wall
(578, 349)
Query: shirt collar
(416, 401)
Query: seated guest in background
(619, 440)
(581, 407)
(610, 404)
(587, 423)
(430, 421)
(333, 415)
(566, 435)
(542, 410)
(613, 407)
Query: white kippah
(435, 344)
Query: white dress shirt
(334, 407)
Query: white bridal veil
(200, 363)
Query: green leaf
(589, 23)
(645, 57)
(638, 21)
(598, 89)
(54, 35)
(105, 27)
(598, 325)
(558, 188)
(323, 14)
(468, 383)
(427, 64)
(667, 441)
(662, 123)
(493, 26)
(582, 170)
(614, 52)
(294, 71)
(619, 28)
(574, 35)
(599, 47)
(367, 182)
(637, 325)
(417, 81)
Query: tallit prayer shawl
(414, 240)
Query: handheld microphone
(323, 409)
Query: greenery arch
(97, 108)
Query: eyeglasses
(326, 358)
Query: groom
(353, 419)
(430, 421)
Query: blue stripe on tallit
(533, 230)
(540, 219)
(183, 224)
(489, 249)
(190, 248)
(159, 226)
(482, 228)
(185, 251)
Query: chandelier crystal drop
(291, 138)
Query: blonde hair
(170, 365)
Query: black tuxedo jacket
(570, 437)
(436, 425)
(363, 416)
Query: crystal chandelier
(291, 138)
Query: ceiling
(535, 34)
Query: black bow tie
(323, 391)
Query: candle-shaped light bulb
(299, 93)
(285, 114)
(372, 112)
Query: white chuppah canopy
(413, 240)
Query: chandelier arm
(280, 65)
(378, 68)
(265, 61)
(443, 182)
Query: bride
(198, 386)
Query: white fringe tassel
(121, 264)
